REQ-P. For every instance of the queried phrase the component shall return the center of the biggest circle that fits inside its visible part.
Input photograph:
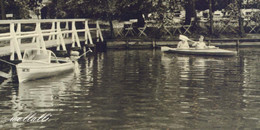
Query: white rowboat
(40, 63)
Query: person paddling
(200, 44)
(183, 44)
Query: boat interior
(45, 56)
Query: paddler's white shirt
(200, 45)
(183, 45)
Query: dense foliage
(123, 9)
(19, 8)
(98, 9)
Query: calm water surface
(142, 89)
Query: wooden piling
(237, 45)
(153, 44)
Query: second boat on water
(211, 51)
(40, 63)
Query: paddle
(182, 37)
(165, 48)
(89, 50)
(76, 64)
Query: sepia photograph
(130, 64)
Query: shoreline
(134, 43)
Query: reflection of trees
(250, 89)
(144, 89)
(126, 86)
(209, 89)
(191, 91)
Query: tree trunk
(112, 35)
(240, 20)
(194, 14)
(211, 18)
(190, 10)
(2, 9)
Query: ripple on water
(143, 89)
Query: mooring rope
(89, 50)
(7, 62)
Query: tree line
(117, 9)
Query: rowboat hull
(206, 52)
(36, 70)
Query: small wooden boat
(40, 63)
(211, 51)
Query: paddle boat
(199, 50)
(210, 51)
(41, 63)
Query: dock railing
(55, 31)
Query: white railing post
(87, 34)
(34, 38)
(75, 35)
(52, 37)
(14, 46)
(11, 41)
(60, 40)
(72, 35)
(18, 32)
(66, 35)
(99, 33)
(40, 40)
(38, 37)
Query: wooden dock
(5, 51)
(43, 36)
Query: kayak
(211, 51)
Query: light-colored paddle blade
(185, 38)
(212, 47)
(182, 37)
(165, 48)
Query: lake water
(142, 89)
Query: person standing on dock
(183, 44)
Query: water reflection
(204, 86)
(143, 89)
(39, 97)
(251, 91)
